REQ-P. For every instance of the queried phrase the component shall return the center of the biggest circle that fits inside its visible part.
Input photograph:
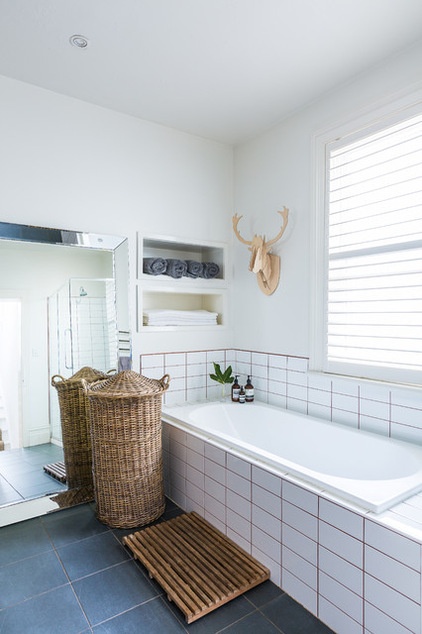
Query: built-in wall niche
(182, 250)
(167, 293)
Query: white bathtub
(369, 470)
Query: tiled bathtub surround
(286, 382)
(351, 571)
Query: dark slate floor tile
(254, 623)
(113, 591)
(55, 612)
(292, 618)
(92, 555)
(218, 619)
(152, 617)
(264, 593)
(22, 540)
(73, 524)
(22, 580)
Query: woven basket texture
(127, 449)
(75, 423)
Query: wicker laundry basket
(75, 424)
(126, 448)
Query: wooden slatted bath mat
(56, 470)
(199, 568)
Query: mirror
(63, 306)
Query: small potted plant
(223, 377)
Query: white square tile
(406, 416)
(195, 477)
(375, 409)
(266, 522)
(267, 544)
(149, 361)
(216, 508)
(239, 466)
(215, 471)
(300, 544)
(277, 400)
(341, 544)
(239, 524)
(195, 444)
(319, 411)
(215, 454)
(305, 500)
(273, 566)
(393, 573)
(296, 380)
(266, 480)
(393, 544)
(406, 433)
(297, 364)
(377, 621)
(341, 570)
(345, 402)
(337, 620)
(299, 567)
(214, 520)
(215, 489)
(196, 357)
(195, 494)
(239, 485)
(174, 359)
(374, 425)
(397, 606)
(277, 361)
(278, 375)
(340, 596)
(300, 520)
(258, 358)
(238, 539)
(299, 591)
(239, 504)
(266, 501)
(297, 405)
(347, 521)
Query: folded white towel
(167, 317)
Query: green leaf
(222, 377)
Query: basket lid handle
(165, 381)
(56, 378)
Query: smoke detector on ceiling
(80, 41)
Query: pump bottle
(249, 390)
(235, 389)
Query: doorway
(11, 371)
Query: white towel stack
(162, 317)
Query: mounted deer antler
(263, 263)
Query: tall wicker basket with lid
(75, 424)
(127, 449)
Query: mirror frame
(35, 507)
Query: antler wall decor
(263, 262)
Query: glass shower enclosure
(83, 332)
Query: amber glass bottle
(235, 389)
(249, 390)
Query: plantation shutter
(374, 281)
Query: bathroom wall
(68, 164)
(276, 169)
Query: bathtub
(366, 469)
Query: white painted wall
(71, 165)
(275, 170)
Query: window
(372, 260)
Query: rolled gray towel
(176, 268)
(210, 270)
(154, 266)
(194, 268)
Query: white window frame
(366, 122)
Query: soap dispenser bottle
(235, 389)
(242, 395)
(249, 390)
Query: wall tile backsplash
(285, 381)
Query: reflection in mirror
(63, 306)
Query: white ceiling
(222, 69)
